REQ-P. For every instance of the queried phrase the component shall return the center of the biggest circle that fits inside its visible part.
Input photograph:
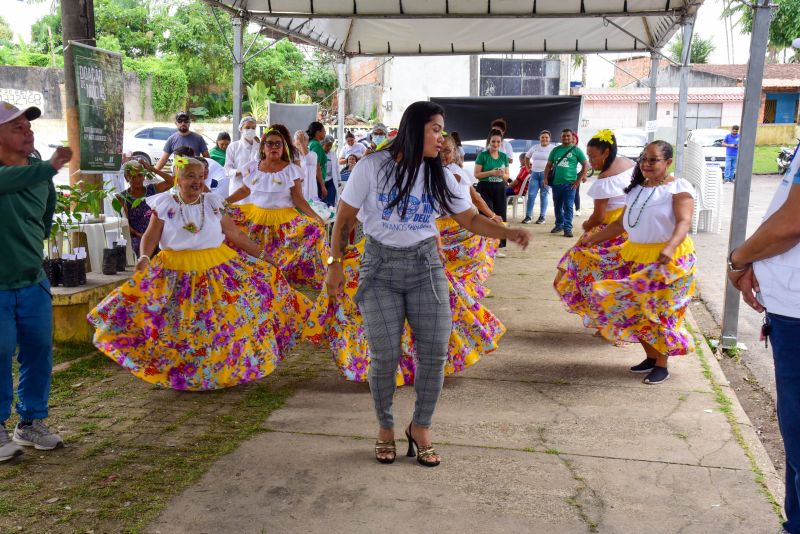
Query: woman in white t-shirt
(307, 160)
(397, 194)
(580, 267)
(277, 216)
(649, 304)
(198, 316)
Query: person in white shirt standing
(502, 125)
(766, 269)
(241, 152)
(536, 160)
(397, 193)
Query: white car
(711, 141)
(148, 142)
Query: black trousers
(494, 194)
(578, 197)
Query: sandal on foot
(385, 447)
(424, 452)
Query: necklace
(660, 181)
(641, 210)
(187, 224)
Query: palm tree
(579, 61)
(698, 53)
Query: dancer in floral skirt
(582, 266)
(277, 216)
(198, 316)
(648, 305)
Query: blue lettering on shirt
(411, 206)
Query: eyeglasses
(273, 144)
(650, 161)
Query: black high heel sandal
(423, 453)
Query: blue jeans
(26, 320)
(785, 338)
(536, 188)
(730, 167)
(563, 204)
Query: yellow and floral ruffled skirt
(476, 331)
(296, 241)
(200, 320)
(650, 303)
(468, 257)
(580, 267)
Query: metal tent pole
(238, 70)
(744, 166)
(340, 70)
(683, 93)
(652, 112)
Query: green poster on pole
(101, 113)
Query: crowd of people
(228, 240)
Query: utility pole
(77, 23)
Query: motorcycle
(784, 158)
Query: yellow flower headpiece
(181, 161)
(444, 134)
(606, 136)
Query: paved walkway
(550, 433)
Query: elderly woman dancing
(582, 266)
(397, 193)
(198, 316)
(648, 305)
(277, 216)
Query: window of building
(700, 116)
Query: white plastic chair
(707, 182)
(514, 199)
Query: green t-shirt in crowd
(567, 169)
(488, 163)
(27, 204)
(322, 157)
(217, 155)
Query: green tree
(6, 33)
(784, 27)
(699, 52)
(41, 32)
(319, 76)
(280, 68)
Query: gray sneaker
(8, 449)
(37, 435)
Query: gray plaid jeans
(399, 284)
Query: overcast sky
(599, 71)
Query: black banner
(526, 115)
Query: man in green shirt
(27, 203)
(561, 172)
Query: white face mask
(249, 134)
(378, 139)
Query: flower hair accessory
(606, 136)
(181, 161)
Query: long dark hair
(283, 131)
(406, 150)
(602, 145)
(313, 128)
(492, 133)
(637, 178)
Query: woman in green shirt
(491, 170)
(218, 152)
(316, 133)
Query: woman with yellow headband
(277, 216)
(581, 266)
(648, 305)
(198, 316)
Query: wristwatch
(331, 260)
(731, 267)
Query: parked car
(147, 142)
(630, 142)
(711, 141)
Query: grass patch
(764, 159)
(682, 435)
(66, 352)
(724, 404)
(552, 451)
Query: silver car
(711, 141)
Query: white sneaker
(8, 449)
(577, 213)
(500, 255)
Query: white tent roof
(430, 27)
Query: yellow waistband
(611, 216)
(445, 223)
(196, 260)
(268, 217)
(649, 252)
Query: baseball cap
(181, 115)
(9, 112)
